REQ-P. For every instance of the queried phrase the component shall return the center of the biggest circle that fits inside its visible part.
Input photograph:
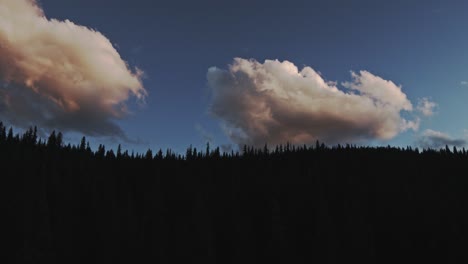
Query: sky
(169, 74)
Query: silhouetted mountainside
(310, 204)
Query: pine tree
(188, 153)
(110, 154)
(101, 151)
(2, 132)
(51, 141)
(159, 155)
(83, 144)
(119, 151)
(149, 154)
(266, 151)
(10, 135)
(216, 153)
(207, 153)
(59, 142)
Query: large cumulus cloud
(275, 102)
(61, 75)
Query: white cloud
(426, 107)
(436, 139)
(59, 74)
(464, 83)
(275, 102)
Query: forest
(315, 203)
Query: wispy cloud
(274, 102)
(436, 139)
(61, 75)
(426, 107)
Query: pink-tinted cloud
(59, 74)
(275, 102)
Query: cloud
(273, 102)
(426, 107)
(61, 75)
(464, 83)
(435, 139)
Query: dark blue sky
(420, 45)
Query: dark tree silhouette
(287, 204)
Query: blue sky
(419, 45)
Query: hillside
(289, 204)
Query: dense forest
(287, 204)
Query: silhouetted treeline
(290, 204)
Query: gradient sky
(420, 45)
